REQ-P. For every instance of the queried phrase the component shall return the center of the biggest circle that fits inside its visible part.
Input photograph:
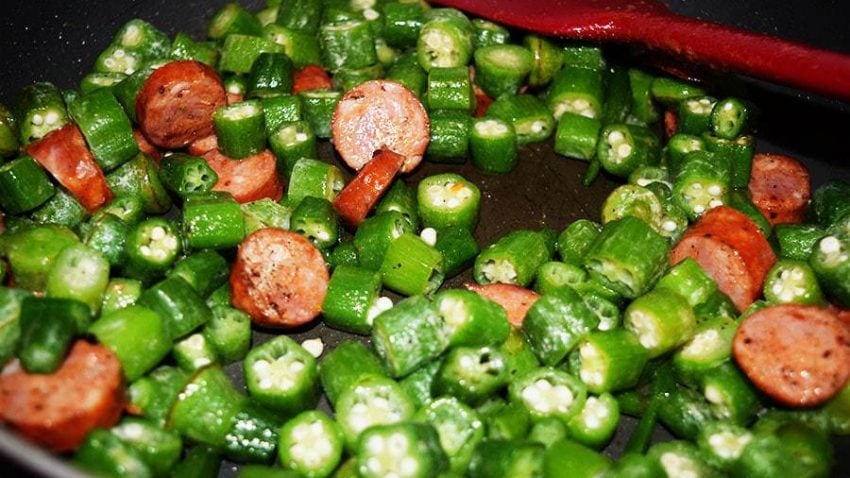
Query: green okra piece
(409, 73)
(501, 458)
(233, 19)
(281, 375)
(471, 374)
(369, 401)
(796, 241)
(270, 75)
(300, 46)
(622, 148)
(39, 110)
(729, 118)
(239, 52)
(486, 33)
(595, 424)
(408, 335)
(529, 116)
(609, 361)
(830, 202)
(577, 136)
(449, 136)
(627, 256)
(646, 175)
(106, 234)
(311, 443)
(81, 273)
(400, 198)
(739, 153)
(180, 307)
(345, 365)
(205, 271)
(556, 323)
(470, 319)
(240, 129)
(229, 333)
(458, 247)
(235, 83)
(103, 453)
(206, 414)
(680, 145)
(723, 442)
(314, 178)
(444, 42)
(159, 449)
(344, 253)
(740, 200)
(605, 308)
(710, 346)
(730, 395)
(319, 106)
(24, 185)
(576, 239)
(548, 392)
(347, 44)
(31, 253)
(291, 143)
(374, 236)
(120, 293)
(661, 320)
(253, 435)
(493, 145)
(618, 96)
(502, 69)
(683, 412)
(10, 324)
(578, 90)
(689, 280)
(419, 384)
(411, 266)
(351, 302)
(154, 393)
(584, 55)
(127, 90)
(553, 275)
(633, 200)
(459, 428)
(264, 213)
(212, 220)
(115, 58)
(347, 78)
(504, 420)
(300, 15)
(201, 461)
(792, 282)
(450, 88)
(139, 178)
(546, 60)
(548, 431)
(402, 23)
(694, 115)
(98, 81)
(317, 220)
(47, 329)
(8, 132)
(378, 457)
(61, 209)
(672, 91)
(219, 297)
(120, 332)
(679, 457)
(193, 352)
(280, 110)
(106, 128)
(185, 174)
(831, 265)
(643, 107)
(447, 200)
(184, 47)
(512, 259)
(152, 247)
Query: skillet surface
(58, 40)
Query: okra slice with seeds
(470, 319)
(710, 346)
(633, 200)
(459, 427)
(107, 129)
(79, 272)
(205, 408)
(609, 361)
(547, 392)
(577, 136)
(695, 115)
(450, 88)
(447, 200)
(547, 60)
(493, 145)
(681, 458)
(229, 333)
(193, 353)
(623, 148)
(347, 44)
(531, 119)
(577, 90)
(512, 259)
(118, 59)
(722, 442)
(317, 220)
(556, 323)
(372, 400)
(152, 246)
(503, 458)
(233, 18)
(411, 266)
(408, 335)
(729, 118)
(119, 332)
(501, 69)
(471, 374)
(401, 198)
(311, 443)
(679, 145)
(160, 449)
(487, 33)
(352, 294)
(701, 183)
(40, 110)
(345, 365)
(318, 110)
(185, 174)
(205, 271)
(689, 280)
(830, 260)
(120, 293)
(404, 450)
(179, 305)
(553, 275)
(661, 320)
(103, 453)
(212, 220)
(444, 43)
(575, 240)
(606, 309)
(792, 282)
(240, 129)
(739, 152)
(281, 375)
(266, 212)
(597, 421)
(449, 140)
(419, 384)
(730, 395)
(375, 234)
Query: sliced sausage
(57, 410)
(380, 114)
(279, 278)
(311, 77)
(798, 355)
(247, 179)
(176, 103)
(202, 146)
(482, 101)
(671, 123)
(514, 299)
(361, 193)
(732, 250)
(146, 147)
(780, 188)
(64, 153)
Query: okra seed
(678, 466)
(429, 235)
(37, 119)
(624, 150)
(371, 14)
(715, 190)
(830, 245)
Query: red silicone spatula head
(650, 23)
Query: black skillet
(58, 41)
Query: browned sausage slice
(247, 179)
(57, 410)
(176, 103)
(798, 355)
(64, 153)
(732, 250)
(514, 299)
(279, 278)
(202, 146)
(359, 196)
(780, 188)
(146, 147)
(380, 114)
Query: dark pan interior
(58, 41)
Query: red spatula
(652, 24)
